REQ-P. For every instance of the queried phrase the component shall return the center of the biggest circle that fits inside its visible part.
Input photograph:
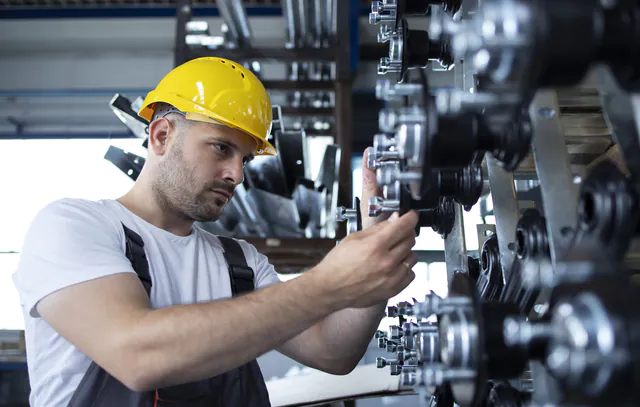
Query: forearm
(186, 343)
(348, 332)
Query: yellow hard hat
(217, 90)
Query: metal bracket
(559, 193)
(506, 211)
(482, 230)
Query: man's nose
(234, 171)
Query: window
(37, 172)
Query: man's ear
(159, 131)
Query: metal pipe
(227, 15)
(302, 22)
(289, 15)
(240, 15)
(317, 23)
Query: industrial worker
(127, 302)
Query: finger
(403, 249)
(411, 260)
(370, 189)
(369, 182)
(398, 229)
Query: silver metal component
(498, 40)
(350, 216)
(441, 24)
(408, 341)
(389, 173)
(382, 362)
(505, 208)
(391, 192)
(455, 246)
(436, 375)
(402, 309)
(383, 149)
(395, 332)
(405, 355)
(554, 172)
(384, 34)
(378, 205)
(411, 328)
(345, 214)
(428, 347)
(387, 65)
(457, 101)
(385, 90)
(383, 11)
(459, 338)
(433, 304)
(586, 348)
(520, 332)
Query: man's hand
(373, 265)
(370, 189)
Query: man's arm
(109, 319)
(148, 349)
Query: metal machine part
(532, 245)
(351, 215)
(412, 49)
(510, 56)
(548, 297)
(390, 12)
(490, 282)
(590, 339)
(607, 210)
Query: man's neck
(143, 203)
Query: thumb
(370, 187)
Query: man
(127, 302)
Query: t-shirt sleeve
(265, 272)
(68, 242)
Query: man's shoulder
(77, 205)
(75, 212)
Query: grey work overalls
(241, 387)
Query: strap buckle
(242, 272)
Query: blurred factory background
(70, 71)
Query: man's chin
(212, 215)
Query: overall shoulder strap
(240, 274)
(137, 257)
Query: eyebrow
(233, 145)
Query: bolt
(395, 370)
(374, 17)
(387, 91)
(387, 121)
(382, 362)
(377, 206)
(396, 332)
(344, 213)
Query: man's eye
(223, 148)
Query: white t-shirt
(72, 240)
